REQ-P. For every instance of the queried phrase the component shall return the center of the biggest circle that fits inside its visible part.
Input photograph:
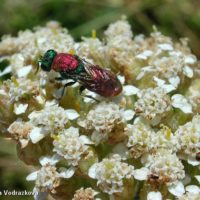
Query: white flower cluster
(28, 45)
(71, 146)
(106, 120)
(152, 102)
(110, 174)
(47, 178)
(21, 88)
(142, 139)
(145, 139)
(91, 49)
(52, 118)
(20, 131)
(188, 140)
(119, 29)
(119, 47)
(164, 168)
(163, 58)
(85, 194)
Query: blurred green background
(176, 18)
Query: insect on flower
(91, 77)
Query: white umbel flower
(85, 194)
(120, 28)
(142, 139)
(139, 139)
(188, 139)
(152, 102)
(105, 120)
(51, 117)
(21, 88)
(20, 131)
(110, 174)
(92, 49)
(164, 168)
(70, 145)
(47, 178)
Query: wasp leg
(81, 89)
(63, 89)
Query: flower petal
(23, 142)
(7, 70)
(92, 171)
(177, 189)
(121, 79)
(128, 114)
(141, 174)
(192, 161)
(85, 139)
(24, 71)
(198, 178)
(188, 71)
(144, 55)
(179, 101)
(174, 81)
(32, 176)
(194, 189)
(44, 160)
(144, 70)
(72, 114)
(130, 90)
(67, 173)
(166, 47)
(161, 84)
(154, 196)
(20, 108)
(191, 59)
(36, 135)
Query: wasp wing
(99, 80)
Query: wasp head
(46, 61)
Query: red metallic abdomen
(64, 62)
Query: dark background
(175, 18)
